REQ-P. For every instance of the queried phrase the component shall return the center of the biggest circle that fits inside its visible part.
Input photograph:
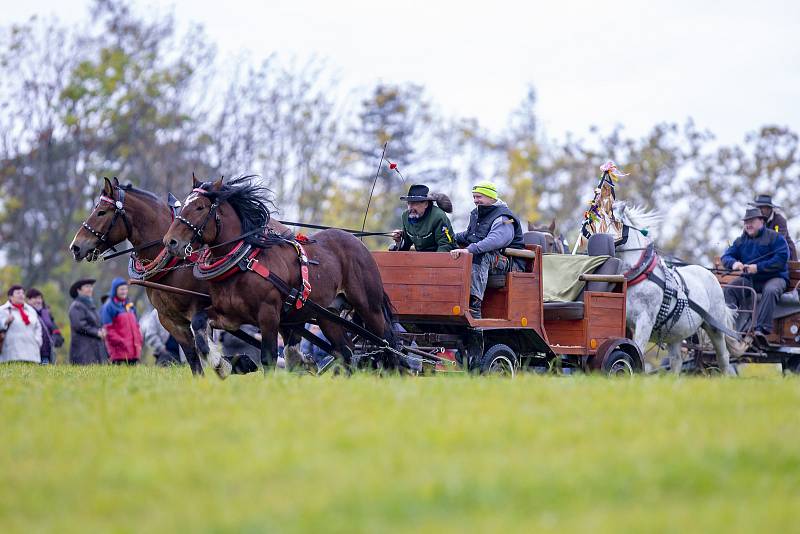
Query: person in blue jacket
(761, 255)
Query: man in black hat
(86, 344)
(425, 225)
(775, 221)
(761, 255)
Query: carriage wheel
(618, 363)
(499, 360)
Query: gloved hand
(58, 340)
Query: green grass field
(147, 449)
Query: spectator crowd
(109, 333)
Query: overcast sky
(732, 66)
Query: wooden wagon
(430, 292)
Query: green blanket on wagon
(560, 274)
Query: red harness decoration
(250, 263)
(643, 268)
(157, 269)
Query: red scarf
(21, 308)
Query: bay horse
(648, 311)
(219, 214)
(125, 212)
(554, 242)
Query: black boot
(475, 306)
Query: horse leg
(183, 335)
(337, 338)
(642, 330)
(721, 350)
(209, 352)
(268, 324)
(675, 357)
(291, 349)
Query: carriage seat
(599, 245)
(497, 281)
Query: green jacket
(432, 233)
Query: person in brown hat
(775, 221)
(86, 345)
(425, 225)
(761, 255)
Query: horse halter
(119, 212)
(198, 230)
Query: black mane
(129, 188)
(248, 199)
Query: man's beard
(412, 215)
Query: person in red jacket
(123, 337)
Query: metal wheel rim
(621, 367)
(502, 366)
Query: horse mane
(129, 188)
(250, 200)
(638, 217)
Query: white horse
(644, 298)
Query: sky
(731, 66)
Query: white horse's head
(635, 217)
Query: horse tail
(735, 347)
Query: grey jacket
(85, 347)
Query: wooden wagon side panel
(566, 336)
(604, 314)
(423, 284)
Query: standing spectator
(123, 337)
(166, 349)
(86, 346)
(51, 335)
(19, 320)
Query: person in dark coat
(775, 221)
(425, 225)
(492, 228)
(86, 346)
(761, 255)
(51, 334)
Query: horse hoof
(223, 369)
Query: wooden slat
(420, 259)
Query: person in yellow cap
(492, 227)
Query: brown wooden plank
(419, 259)
(427, 292)
(422, 275)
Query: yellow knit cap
(486, 188)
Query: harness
(198, 230)
(668, 315)
(244, 257)
(119, 212)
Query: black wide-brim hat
(753, 213)
(73, 289)
(417, 193)
(763, 200)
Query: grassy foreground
(147, 449)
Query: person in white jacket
(23, 331)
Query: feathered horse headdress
(599, 216)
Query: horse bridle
(198, 230)
(119, 212)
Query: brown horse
(340, 266)
(554, 242)
(124, 212)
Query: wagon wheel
(700, 344)
(792, 365)
(499, 360)
(618, 363)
